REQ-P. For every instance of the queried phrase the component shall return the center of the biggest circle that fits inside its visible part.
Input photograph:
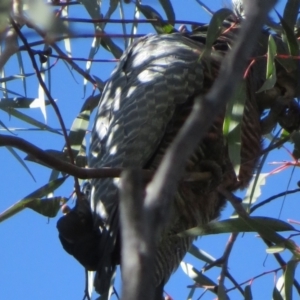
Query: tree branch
(60, 165)
(136, 250)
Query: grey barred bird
(144, 104)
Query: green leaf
(284, 134)
(232, 124)
(268, 230)
(76, 137)
(289, 276)
(275, 249)
(35, 196)
(168, 8)
(276, 294)
(113, 4)
(5, 10)
(19, 102)
(284, 59)
(200, 254)
(198, 277)
(93, 8)
(91, 103)
(20, 160)
(6, 128)
(280, 286)
(78, 131)
(48, 207)
(271, 77)
(108, 44)
(291, 12)
(254, 189)
(29, 120)
(6, 90)
(248, 293)
(14, 77)
(290, 37)
(215, 27)
(150, 13)
(67, 41)
(239, 225)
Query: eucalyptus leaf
(35, 196)
(19, 102)
(232, 124)
(248, 293)
(198, 277)
(14, 77)
(48, 207)
(20, 160)
(29, 120)
(276, 294)
(275, 249)
(168, 8)
(200, 254)
(271, 77)
(78, 131)
(215, 28)
(160, 25)
(291, 11)
(289, 276)
(238, 225)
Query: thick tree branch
(136, 253)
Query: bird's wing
(153, 76)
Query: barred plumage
(144, 104)
(147, 99)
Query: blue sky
(33, 263)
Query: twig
(225, 259)
(129, 21)
(256, 206)
(255, 277)
(64, 57)
(276, 145)
(230, 277)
